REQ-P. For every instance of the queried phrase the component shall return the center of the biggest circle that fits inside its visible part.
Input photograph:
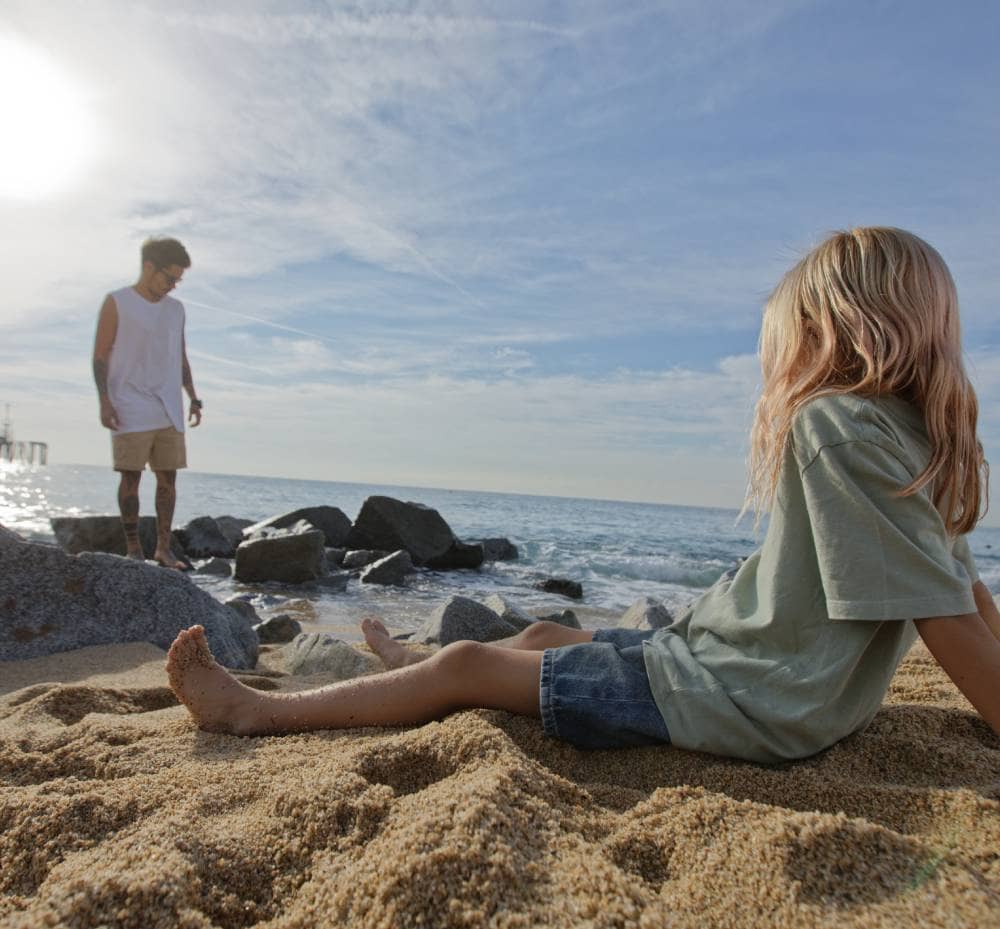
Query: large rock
(389, 571)
(508, 612)
(561, 585)
(499, 550)
(646, 613)
(292, 559)
(359, 558)
(459, 555)
(461, 618)
(78, 534)
(388, 524)
(232, 528)
(203, 538)
(322, 653)
(332, 522)
(51, 602)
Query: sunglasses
(171, 280)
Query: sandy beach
(116, 811)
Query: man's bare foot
(165, 560)
(393, 654)
(217, 701)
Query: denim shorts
(596, 694)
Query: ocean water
(618, 551)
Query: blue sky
(502, 246)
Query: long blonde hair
(872, 311)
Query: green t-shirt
(797, 649)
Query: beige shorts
(162, 449)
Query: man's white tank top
(144, 371)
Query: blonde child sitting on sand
(864, 447)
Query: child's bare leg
(461, 675)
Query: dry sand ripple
(116, 812)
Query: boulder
(358, 558)
(561, 585)
(51, 601)
(646, 613)
(218, 567)
(245, 608)
(232, 528)
(277, 629)
(498, 550)
(322, 653)
(202, 538)
(332, 522)
(78, 534)
(459, 555)
(391, 570)
(335, 556)
(461, 618)
(389, 525)
(565, 618)
(508, 612)
(292, 559)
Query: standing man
(140, 366)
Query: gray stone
(277, 629)
(78, 534)
(646, 613)
(334, 581)
(459, 555)
(332, 522)
(335, 556)
(390, 571)
(358, 558)
(202, 538)
(461, 618)
(387, 524)
(561, 585)
(232, 528)
(499, 550)
(322, 653)
(508, 612)
(218, 567)
(565, 618)
(51, 601)
(291, 560)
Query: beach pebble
(561, 585)
(275, 629)
(391, 570)
(461, 618)
(646, 613)
(322, 653)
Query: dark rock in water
(561, 585)
(332, 582)
(461, 618)
(332, 522)
(322, 653)
(78, 534)
(292, 559)
(232, 528)
(217, 567)
(508, 612)
(358, 558)
(646, 613)
(245, 608)
(335, 556)
(277, 629)
(51, 602)
(499, 550)
(565, 618)
(391, 570)
(387, 524)
(202, 538)
(460, 555)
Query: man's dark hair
(165, 252)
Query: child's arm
(968, 651)
(987, 607)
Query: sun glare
(49, 131)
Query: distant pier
(21, 450)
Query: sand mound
(116, 812)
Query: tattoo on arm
(101, 377)
(186, 379)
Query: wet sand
(115, 811)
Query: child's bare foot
(217, 701)
(393, 654)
